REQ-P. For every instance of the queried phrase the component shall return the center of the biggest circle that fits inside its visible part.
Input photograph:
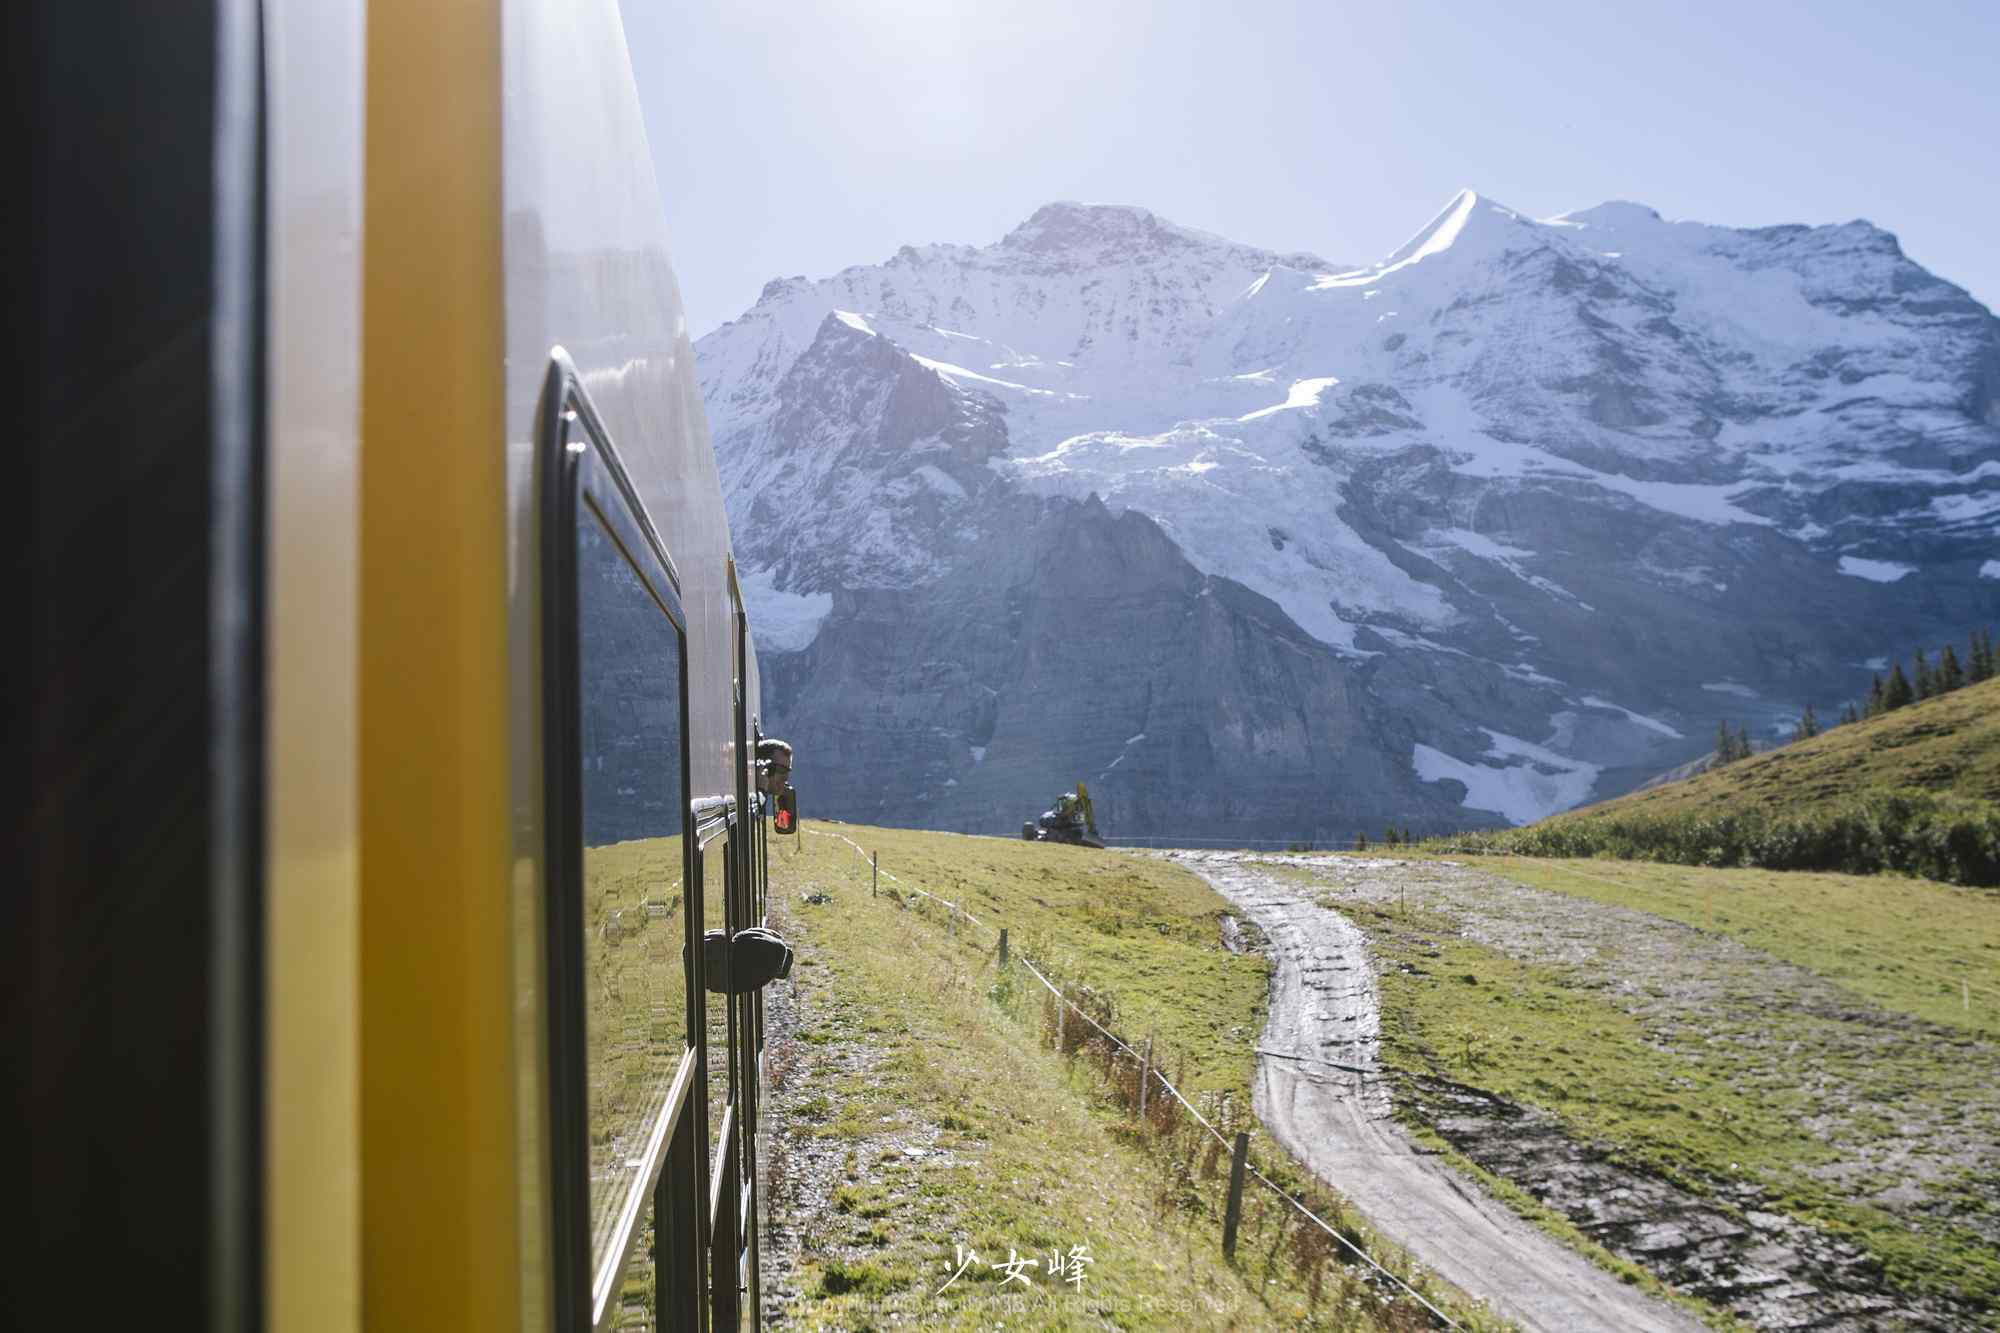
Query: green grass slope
(1916, 790)
(1949, 744)
(920, 1107)
(1794, 1044)
(1926, 951)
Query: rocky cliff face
(1264, 547)
(1085, 644)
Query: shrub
(1936, 835)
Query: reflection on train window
(635, 991)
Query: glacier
(1515, 469)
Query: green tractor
(1072, 821)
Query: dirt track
(1324, 1015)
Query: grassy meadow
(925, 1111)
(1913, 946)
(1820, 1047)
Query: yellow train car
(386, 894)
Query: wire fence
(1152, 1074)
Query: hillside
(1262, 546)
(1775, 1091)
(924, 1104)
(1716, 1085)
(1950, 744)
(1911, 791)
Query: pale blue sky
(801, 136)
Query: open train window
(622, 909)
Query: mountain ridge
(1551, 495)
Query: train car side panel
(440, 1184)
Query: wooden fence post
(1062, 1023)
(874, 873)
(1145, 1077)
(1003, 946)
(1233, 1214)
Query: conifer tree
(1926, 683)
(1742, 741)
(1949, 675)
(1878, 699)
(1897, 693)
(1725, 744)
(1847, 714)
(1982, 655)
(1808, 725)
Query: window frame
(580, 478)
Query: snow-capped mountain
(1262, 545)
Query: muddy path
(1319, 1092)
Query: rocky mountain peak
(777, 289)
(1529, 505)
(1086, 233)
(1070, 226)
(851, 376)
(1614, 213)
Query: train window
(621, 909)
(633, 905)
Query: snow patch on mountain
(1435, 238)
(1123, 751)
(1525, 783)
(1441, 542)
(1512, 465)
(786, 622)
(1303, 393)
(1479, 453)
(1199, 480)
(1967, 508)
(952, 372)
(1875, 571)
(1638, 719)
